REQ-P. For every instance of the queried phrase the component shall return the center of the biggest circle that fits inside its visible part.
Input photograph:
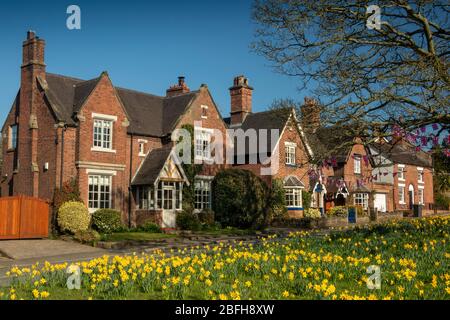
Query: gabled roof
(149, 114)
(403, 153)
(152, 166)
(292, 181)
(271, 119)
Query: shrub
(240, 199)
(206, 217)
(187, 220)
(73, 217)
(338, 211)
(68, 192)
(312, 213)
(107, 220)
(149, 227)
(276, 201)
(306, 199)
(88, 236)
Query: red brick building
(117, 144)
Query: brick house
(117, 144)
(289, 152)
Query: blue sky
(144, 45)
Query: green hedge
(73, 216)
(240, 199)
(107, 220)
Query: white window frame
(202, 143)
(293, 196)
(357, 164)
(97, 203)
(177, 190)
(401, 196)
(401, 169)
(290, 150)
(421, 194)
(204, 109)
(202, 197)
(361, 199)
(141, 144)
(103, 118)
(12, 136)
(145, 202)
(420, 174)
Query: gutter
(129, 182)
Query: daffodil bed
(413, 257)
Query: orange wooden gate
(23, 217)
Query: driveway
(33, 249)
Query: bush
(240, 199)
(312, 213)
(107, 220)
(442, 201)
(149, 227)
(88, 236)
(206, 217)
(338, 211)
(276, 201)
(73, 217)
(306, 199)
(187, 220)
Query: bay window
(145, 198)
(293, 197)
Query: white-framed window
(99, 191)
(290, 152)
(401, 172)
(144, 198)
(204, 112)
(103, 134)
(169, 195)
(203, 144)
(361, 199)
(12, 137)
(420, 175)
(420, 194)
(293, 197)
(202, 194)
(357, 164)
(401, 194)
(142, 143)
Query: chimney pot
(31, 35)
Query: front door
(379, 202)
(169, 214)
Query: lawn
(413, 257)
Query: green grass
(137, 236)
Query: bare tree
(384, 80)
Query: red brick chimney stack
(310, 115)
(241, 99)
(33, 67)
(178, 89)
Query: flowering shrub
(107, 220)
(73, 216)
(338, 211)
(312, 213)
(413, 255)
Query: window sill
(421, 182)
(142, 154)
(293, 165)
(11, 150)
(403, 203)
(294, 208)
(103, 150)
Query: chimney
(241, 99)
(33, 67)
(310, 115)
(178, 89)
